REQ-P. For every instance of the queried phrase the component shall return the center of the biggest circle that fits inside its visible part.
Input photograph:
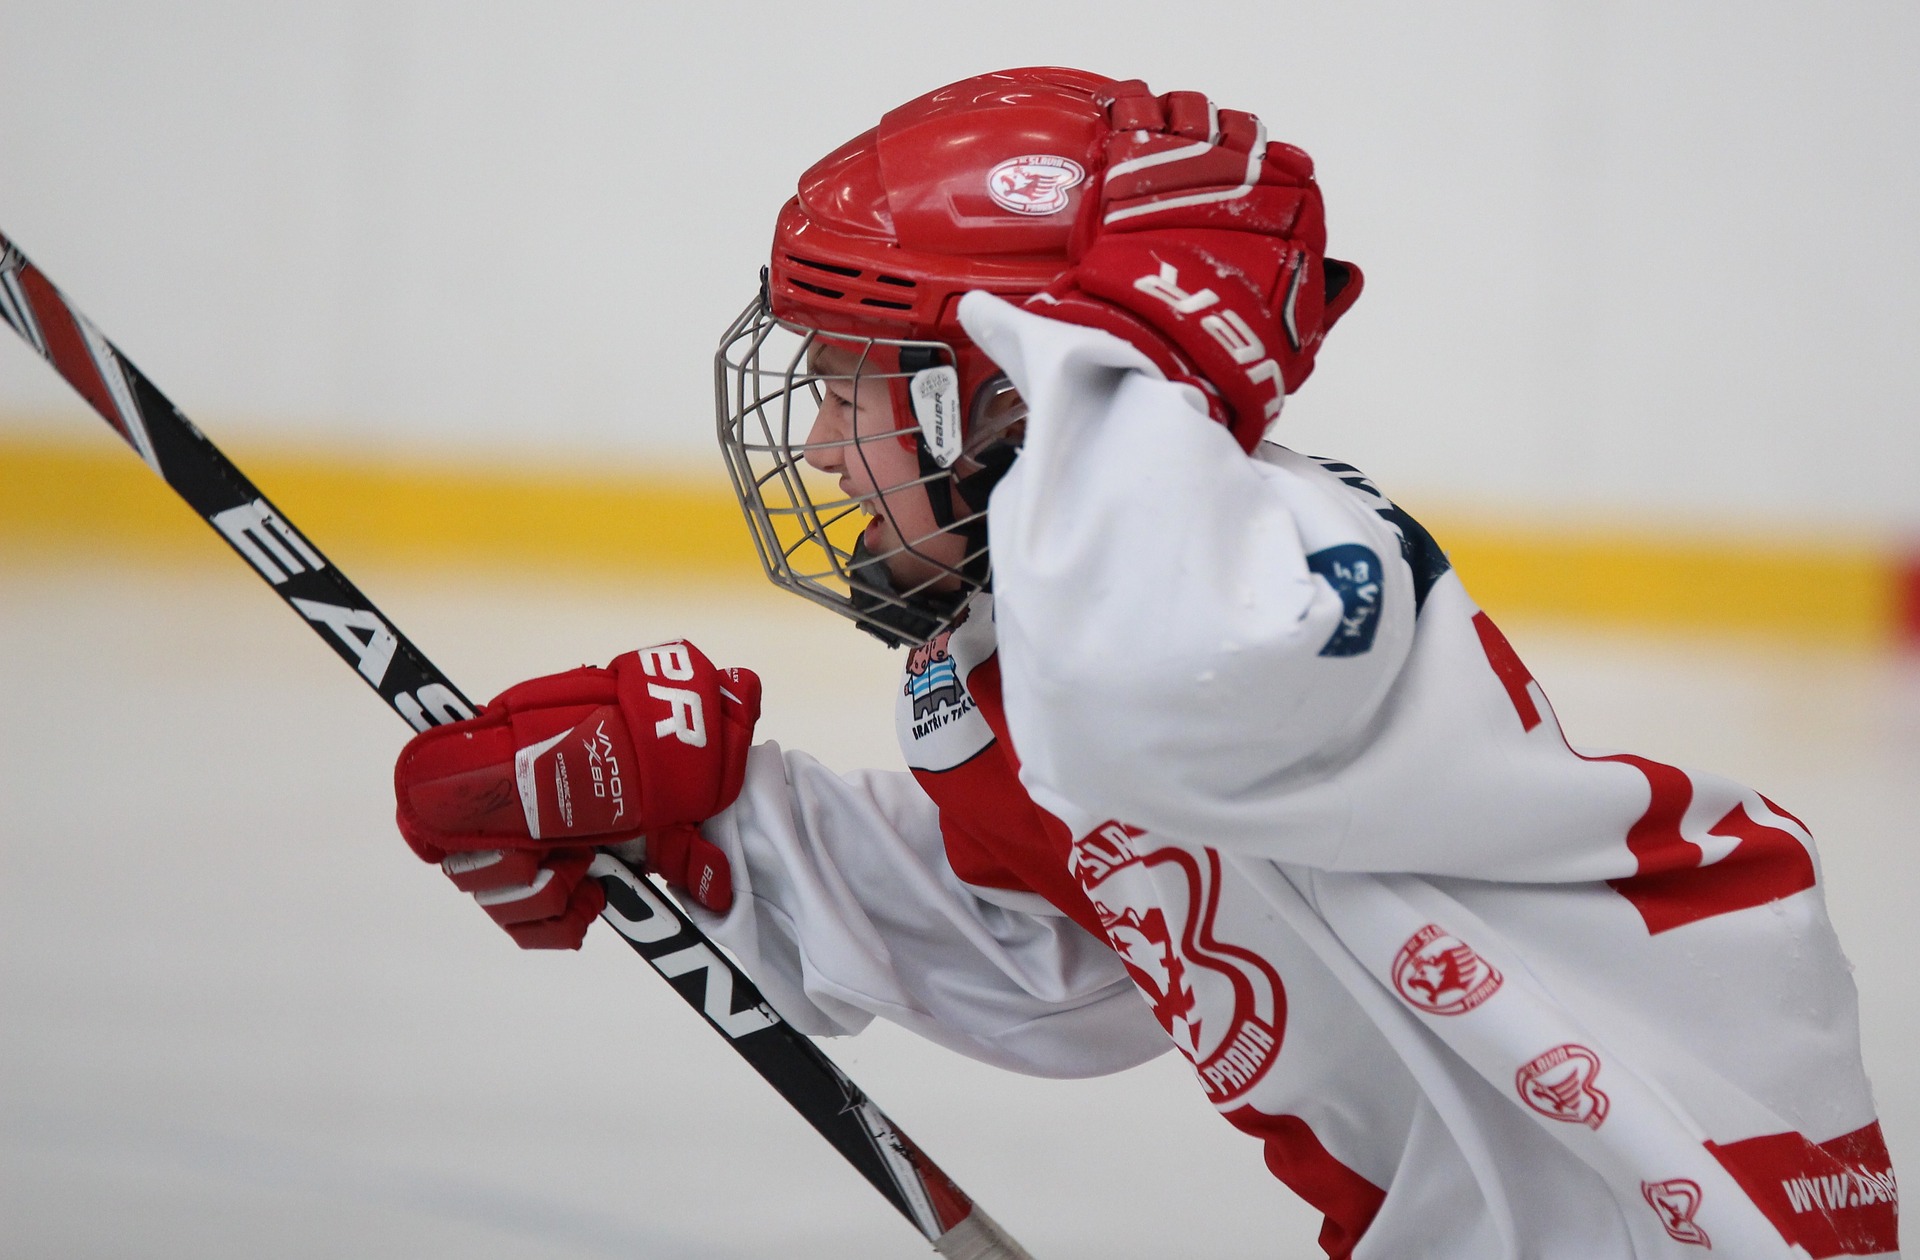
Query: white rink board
(241, 1020)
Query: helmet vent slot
(880, 302)
(849, 272)
(814, 288)
(886, 279)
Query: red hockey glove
(1205, 248)
(513, 802)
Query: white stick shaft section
(979, 1237)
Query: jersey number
(1671, 886)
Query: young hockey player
(1219, 729)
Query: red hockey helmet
(973, 186)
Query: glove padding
(1205, 249)
(513, 802)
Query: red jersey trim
(1294, 1155)
(995, 836)
(1836, 1198)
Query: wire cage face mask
(877, 509)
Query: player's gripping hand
(512, 802)
(1205, 248)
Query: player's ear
(1344, 283)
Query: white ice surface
(238, 1019)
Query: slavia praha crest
(1675, 1202)
(1441, 974)
(1223, 1006)
(1560, 1085)
(1034, 183)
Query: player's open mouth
(869, 504)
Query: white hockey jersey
(1230, 736)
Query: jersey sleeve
(845, 909)
(1186, 633)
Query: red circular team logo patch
(1034, 183)
(1560, 1086)
(1440, 974)
(1676, 1201)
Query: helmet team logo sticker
(1034, 183)
(1224, 1006)
(1560, 1086)
(1676, 1202)
(1440, 974)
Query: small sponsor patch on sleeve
(1354, 573)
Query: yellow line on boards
(1776, 588)
(64, 501)
(72, 501)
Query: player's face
(856, 437)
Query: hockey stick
(647, 920)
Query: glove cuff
(1072, 305)
(1205, 301)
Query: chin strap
(896, 618)
(889, 616)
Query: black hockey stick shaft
(656, 928)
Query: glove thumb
(739, 711)
(693, 864)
